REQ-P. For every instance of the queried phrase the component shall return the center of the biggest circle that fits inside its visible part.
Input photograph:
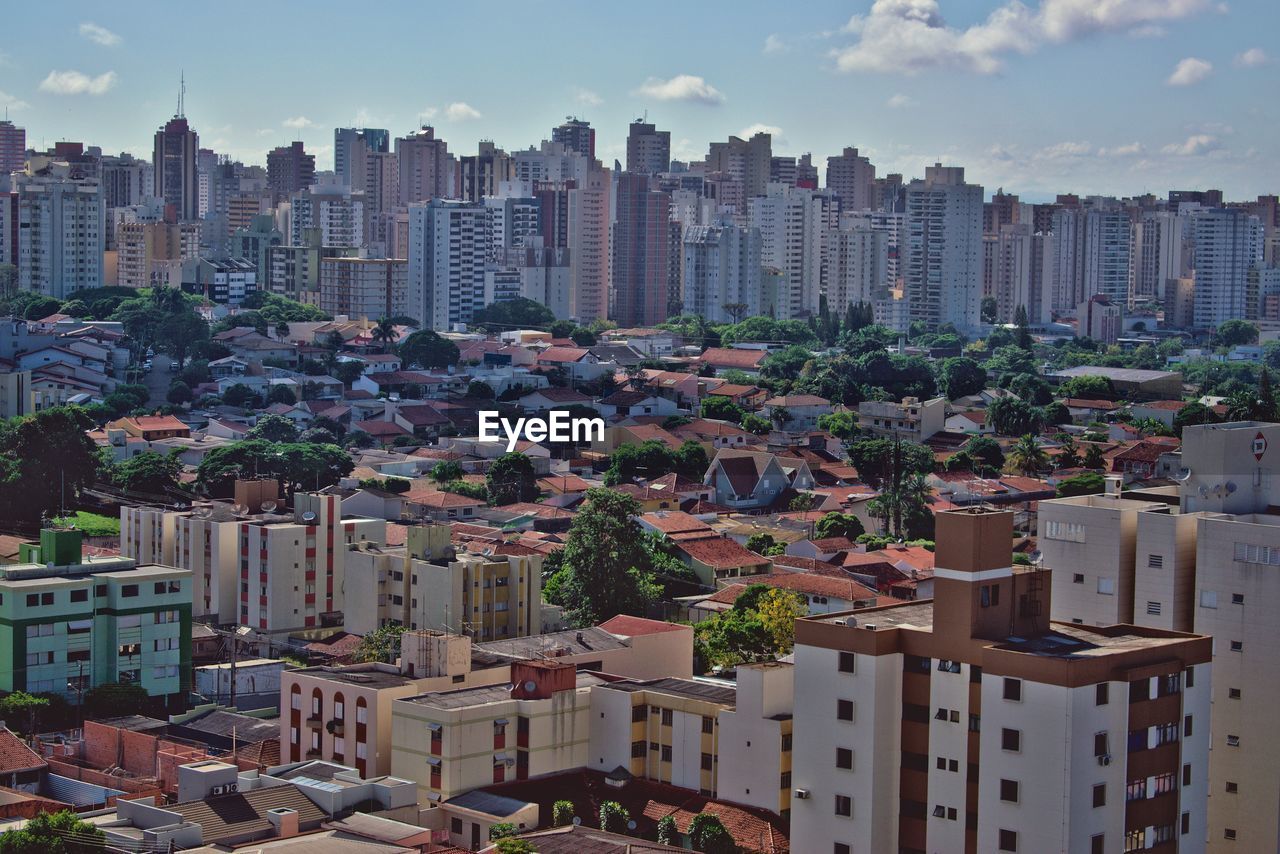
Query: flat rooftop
(366, 678)
(688, 689)
(569, 642)
(464, 698)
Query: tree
(318, 436)
(1027, 457)
(1056, 414)
(348, 371)
(766, 330)
(178, 333)
(62, 832)
(45, 460)
(514, 845)
(842, 424)
(583, 337)
(837, 524)
(562, 813)
(779, 609)
(1089, 483)
(385, 334)
(563, 328)
(282, 330)
(756, 424)
(1068, 455)
(281, 393)
(875, 459)
(179, 392)
(614, 817)
(1191, 414)
(359, 439)
(988, 310)
(760, 542)
(446, 471)
(518, 313)
(1088, 387)
(720, 408)
(1009, 361)
(709, 835)
(901, 502)
(668, 832)
(381, 644)
(273, 428)
(22, 708)
(239, 394)
(148, 472)
(510, 479)
(502, 830)
(1093, 458)
(1012, 417)
(41, 307)
(112, 699)
(986, 452)
(1031, 388)
(785, 364)
(604, 562)
(480, 390)
(960, 376)
(1235, 332)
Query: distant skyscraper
(641, 252)
(1226, 253)
(1000, 211)
(792, 224)
(721, 268)
(13, 147)
(588, 241)
(290, 169)
(448, 248)
(331, 207)
(858, 266)
(1159, 253)
(1016, 277)
(481, 173)
(1064, 260)
(1107, 241)
(61, 230)
(426, 167)
(350, 146)
(576, 135)
(747, 160)
(943, 266)
(648, 149)
(852, 177)
(174, 162)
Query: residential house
(797, 413)
(746, 480)
(629, 404)
(721, 359)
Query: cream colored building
(971, 723)
(1209, 563)
(427, 585)
(912, 419)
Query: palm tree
(1027, 456)
(167, 299)
(1069, 456)
(385, 333)
(1241, 405)
(282, 330)
(896, 504)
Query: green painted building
(69, 623)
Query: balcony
(314, 722)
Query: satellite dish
(530, 685)
(631, 825)
(203, 512)
(1183, 475)
(309, 516)
(577, 820)
(239, 509)
(268, 506)
(1231, 486)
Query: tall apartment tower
(351, 146)
(13, 147)
(1225, 254)
(648, 149)
(852, 177)
(426, 167)
(1208, 564)
(481, 174)
(61, 230)
(1159, 252)
(748, 161)
(971, 723)
(174, 162)
(943, 267)
(721, 268)
(641, 251)
(289, 170)
(857, 265)
(793, 224)
(448, 248)
(1015, 274)
(587, 237)
(1107, 244)
(576, 136)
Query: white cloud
(1133, 149)
(461, 111)
(77, 83)
(1190, 71)
(908, 36)
(1252, 58)
(1149, 31)
(1197, 143)
(99, 35)
(774, 44)
(298, 122)
(586, 97)
(266, 131)
(682, 87)
(758, 127)
(12, 102)
(1067, 149)
(898, 101)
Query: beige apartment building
(971, 723)
(151, 253)
(370, 288)
(1205, 557)
(427, 584)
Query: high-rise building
(853, 178)
(648, 149)
(426, 167)
(9, 239)
(588, 241)
(289, 170)
(1107, 244)
(1064, 260)
(1002, 210)
(721, 272)
(858, 266)
(1016, 277)
(351, 147)
(1100, 318)
(255, 242)
(1225, 252)
(126, 181)
(641, 252)
(793, 224)
(1159, 253)
(943, 266)
(550, 162)
(150, 254)
(381, 198)
(61, 230)
(448, 249)
(1209, 564)
(13, 147)
(174, 163)
(970, 722)
(370, 288)
(334, 209)
(576, 136)
(480, 174)
(746, 160)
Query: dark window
(1100, 795)
(666, 717)
(707, 724)
(81, 595)
(844, 758)
(33, 599)
(1096, 844)
(128, 591)
(975, 723)
(844, 710)
(847, 662)
(1012, 689)
(975, 674)
(639, 713)
(455, 825)
(100, 590)
(1102, 694)
(1186, 822)
(653, 745)
(914, 761)
(1009, 791)
(637, 750)
(1100, 744)
(159, 587)
(1191, 677)
(1139, 691)
(1010, 739)
(786, 742)
(1186, 727)
(706, 762)
(1186, 775)
(844, 805)
(915, 713)
(1008, 840)
(1232, 788)
(784, 780)
(842, 848)
(666, 753)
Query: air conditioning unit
(1104, 759)
(802, 794)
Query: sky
(1115, 97)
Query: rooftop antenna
(182, 93)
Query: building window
(1208, 598)
(1070, 531)
(1013, 689)
(1186, 776)
(1232, 788)
(666, 753)
(1233, 741)
(847, 662)
(844, 710)
(1096, 844)
(1008, 840)
(1153, 608)
(786, 742)
(706, 762)
(1237, 646)
(842, 848)
(1237, 598)
(844, 806)
(1009, 791)
(989, 595)
(667, 717)
(1100, 795)
(844, 758)
(1190, 678)
(1229, 833)
(1077, 578)
(1101, 745)
(128, 591)
(1186, 823)
(1233, 693)
(1106, 586)
(81, 595)
(1102, 694)
(641, 713)
(1010, 739)
(637, 750)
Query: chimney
(284, 820)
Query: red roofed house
(754, 479)
(1138, 462)
(802, 411)
(732, 359)
(440, 506)
(823, 594)
(577, 362)
(20, 766)
(151, 427)
(383, 432)
(714, 559)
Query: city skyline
(1042, 98)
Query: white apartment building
(1225, 254)
(1209, 564)
(721, 268)
(971, 723)
(61, 230)
(1159, 252)
(942, 269)
(793, 223)
(857, 266)
(1016, 275)
(336, 210)
(1107, 244)
(1064, 261)
(534, 272)
(370, 288)
(448, 248)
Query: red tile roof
(630, 627)
(788, 400)
(727, 357)
(380, 428)
(720, 553)
(440, 500)
(15, 756)
(562, 354)
(675, 523)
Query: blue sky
(1038, 96)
